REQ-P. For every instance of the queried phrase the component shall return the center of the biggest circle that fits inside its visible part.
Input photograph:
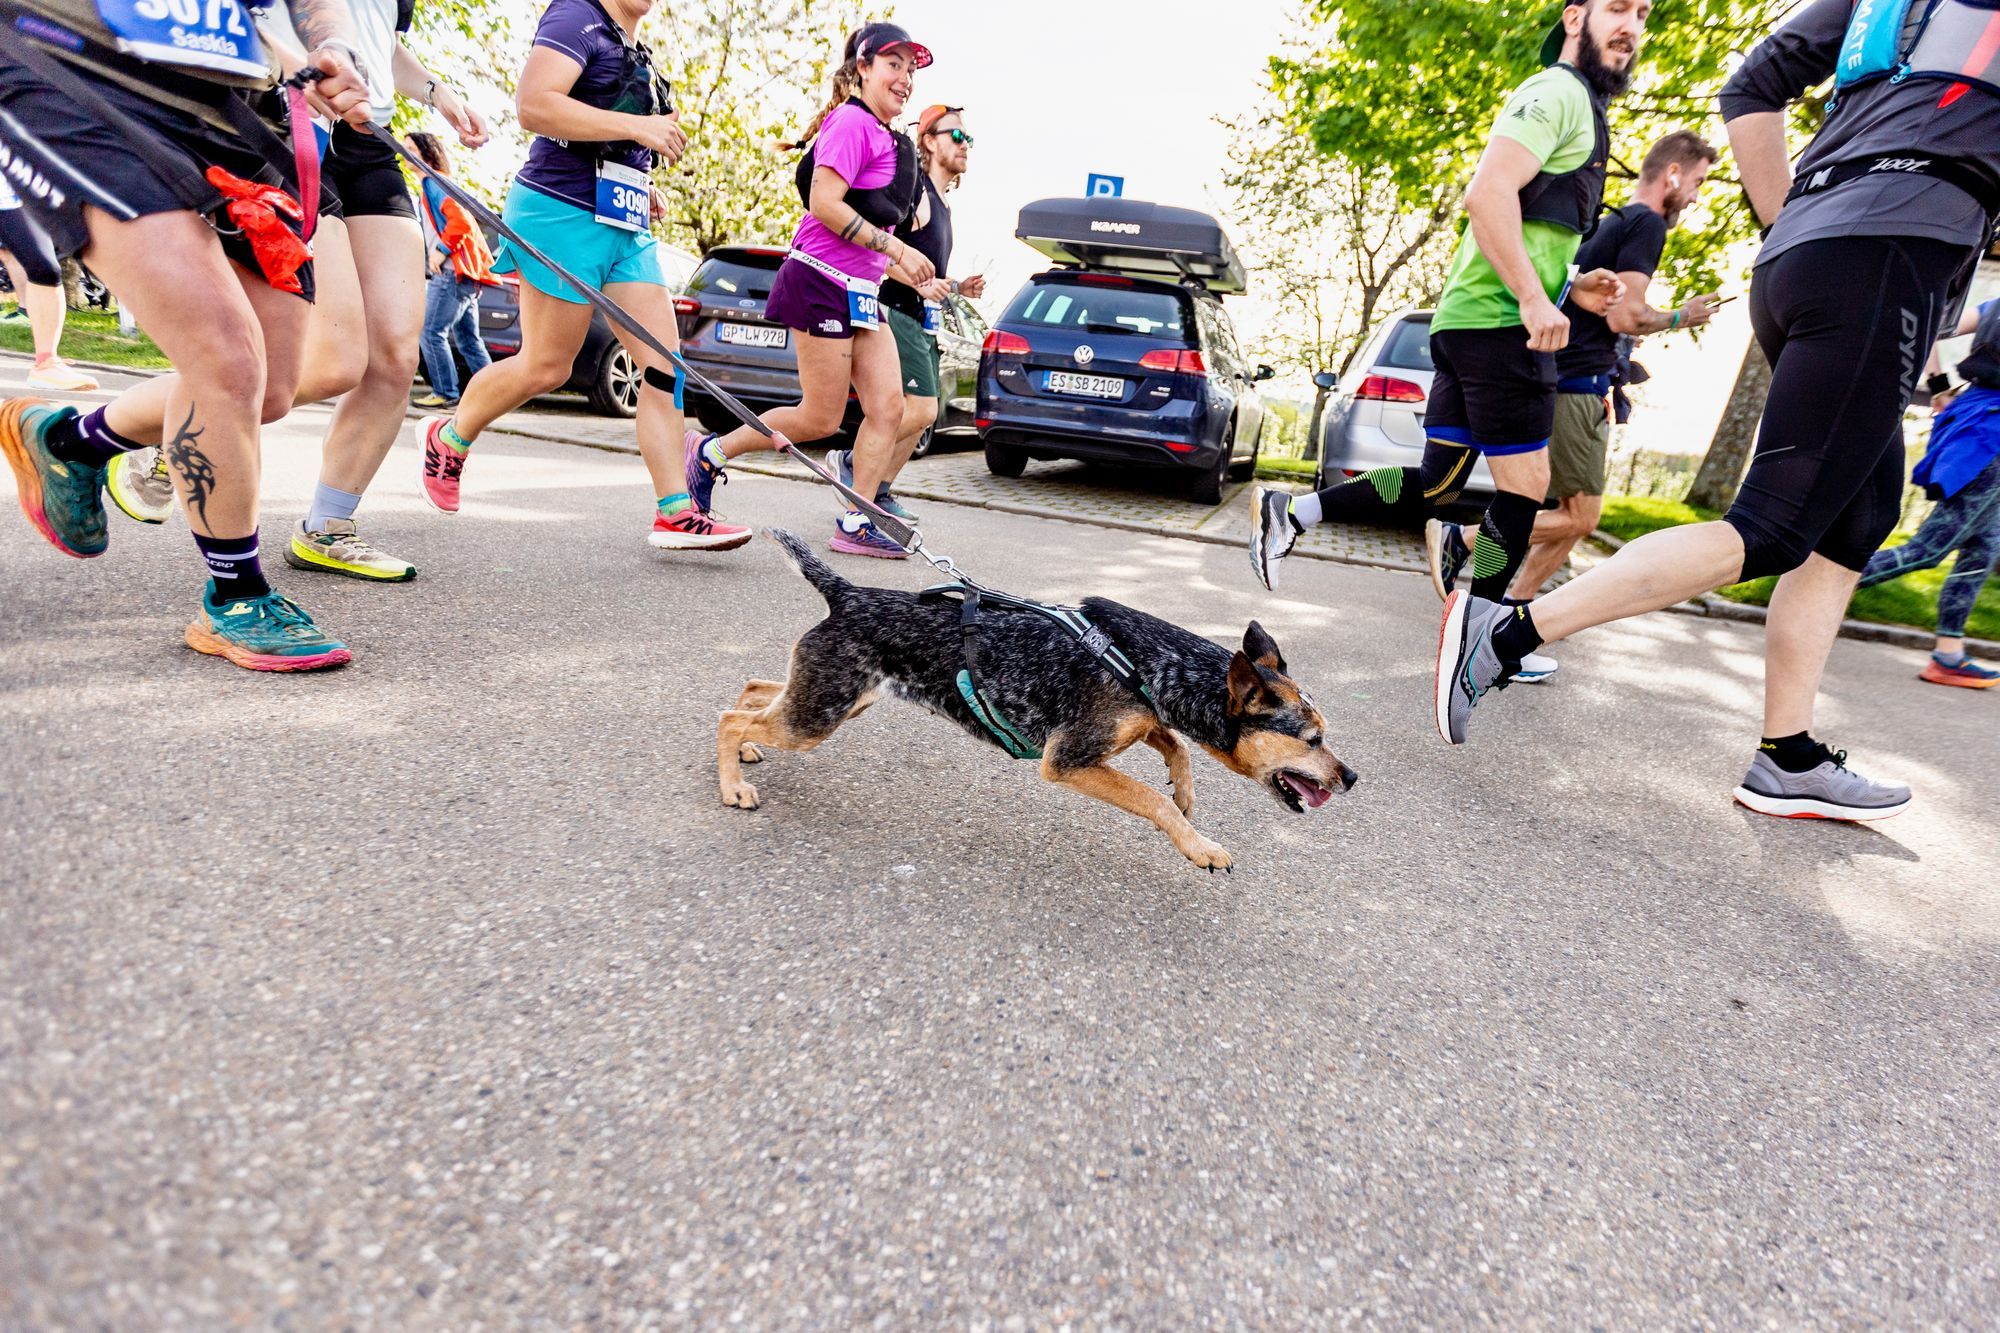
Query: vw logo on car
(1084, 354)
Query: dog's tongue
(1311, 793)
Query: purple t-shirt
(859, 147)
(581, 30)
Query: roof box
(1133, 237)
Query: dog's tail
(815, 570)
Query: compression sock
(457, 443)
(1501, 543)
(669, 505)
(233, 564)
(328, 503)
(1517, 636)
(1387, 496)
(85, 438)
(1796, 753)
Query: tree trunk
(72, 281)
(1728, 455)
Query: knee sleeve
(668, 381)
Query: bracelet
(1938, 383)
(430, 92)
(1675, 322)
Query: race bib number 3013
(200, 34)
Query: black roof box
(1134, 237)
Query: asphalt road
(441, 991)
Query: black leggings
(1846, 323)
(29, 244)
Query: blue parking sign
(1099, 186)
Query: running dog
(1240, 707)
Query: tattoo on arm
(878, 240)
(196, 472)
(854, 225)
(321, 21)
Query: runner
(863, 184)
(159, 175)
(943, 147)
(1535, 194)
(602, 119)
(36, 273)
(461, 267)
(1858, 273)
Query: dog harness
(972, 689)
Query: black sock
(85, 438)
(1387, 495)
(233, 564)
(1517, 635)
(1511, 600)
(1501, 543)
(1797, 753)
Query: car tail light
(1005, 344)
(1103, 280)
(1382, 388)
(686, 306)
(1179, 447)
(1184, 362)
(981, 423)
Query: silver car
(1375, 415)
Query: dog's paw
(1207, 855)
(741, 795)
(750, 754)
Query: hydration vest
(1572, 199)
(1956, 40)
(888, 205)
(1981, 365)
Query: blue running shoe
(64, 500)
(702, 475)
(268, 633)
(890, 505)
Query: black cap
(873, 39)
(1552, 45)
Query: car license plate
(752, 335)
(1090, 386)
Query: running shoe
(60, 376)
(443, 466)
(338, 549)
(1467, 665)
(865, 540)
(1273, 533)
(268, 633)
(1831, 790)
(15, 315)
(1446, 552)
(139, 484)
(1535, 667)
(1968, 674)
(842, 461)
(890, 505)
(64, 500)
(702, 475)
(433, 402)
(692, 530)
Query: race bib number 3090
(624, 198)
(201, 34)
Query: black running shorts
(362, 177)
(59, 158)
(1490, 392)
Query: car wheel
(615, 390)
(1247, 469)
(1005, 460)
(925, 441)
(1206, 486)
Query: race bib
(624, 196)
(864, 310)
(201, 34)
(933, 317)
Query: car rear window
(1409, 346)
(734, 277)
(1088, 307)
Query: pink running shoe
(442, 467)
(692, 530)
(865, 541)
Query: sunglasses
(956, 136)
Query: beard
(1606, 82)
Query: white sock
(852, 521)
(1305, 508)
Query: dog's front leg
(1180, 769)
(730, 745)
(1131, 795)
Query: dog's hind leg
(1079, 763)
(756, 694)
(1180, 769)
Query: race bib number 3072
(200, 34)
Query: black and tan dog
(1241, 707)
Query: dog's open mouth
(1300, 790)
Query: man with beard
(1498, 326)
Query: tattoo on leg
(193, 466)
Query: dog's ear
(1249, 692)
(1261, 648)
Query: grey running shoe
(1830, 791)
(338, 549)
(1535, 667)
(1273, 533)
(1446, 552)
(1467, 666)
(138, 483)
(842, 461)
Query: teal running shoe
(64, 500)
(268, 633)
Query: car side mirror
(1326, 379)
(1264, 373)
